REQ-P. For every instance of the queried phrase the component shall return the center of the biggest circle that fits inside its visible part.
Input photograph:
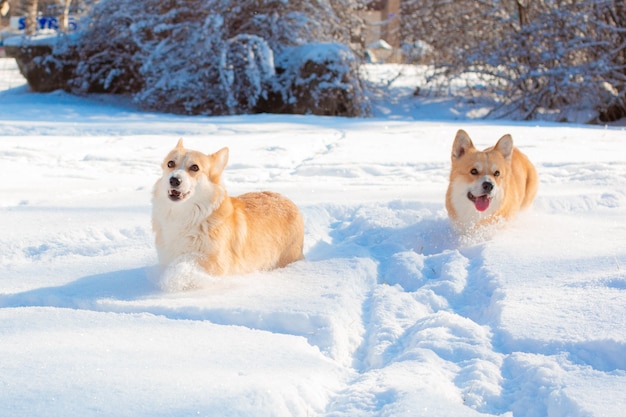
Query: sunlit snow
(390, 314)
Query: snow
(390, 314)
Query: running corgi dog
(193, 216)
(488, 186)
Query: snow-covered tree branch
(549, 58)
(211, 56)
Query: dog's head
(478, 177)
(191, 175)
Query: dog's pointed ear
(179, 145)
(218, 162)
(462, 144)
(505, 146)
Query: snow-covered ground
(390, 314)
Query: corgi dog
(193, 216)
(490, 186)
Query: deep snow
(391, 314)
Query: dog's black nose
(174, 182)
(487, 186)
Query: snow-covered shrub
(319, 79)
(180, 60)
(246, 68)
(549, 59)
(108, 59)
(211, 56)
(46, 62)
(558, 61)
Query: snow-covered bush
(180, 59)
(246, 68)
(548, 59)
(216, 56)
(319, 79)
(107, 57)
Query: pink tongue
(482, 203)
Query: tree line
(533, 58)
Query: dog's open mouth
(176, 195)
(481, 202)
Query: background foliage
(219, 56)
(536, 57)
(562, 60)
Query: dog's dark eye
(496, 174)
(171, 164)
(474, 171)
(194, 168)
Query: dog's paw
(183, 274)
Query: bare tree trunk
(65, 16)
(522, 12)
(30, 11)
(391, 28)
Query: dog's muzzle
(174, 194)
(482, 201)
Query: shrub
(217, 56)
(548, 59)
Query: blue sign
(48, 22)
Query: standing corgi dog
(488, 186)
(193, 216)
